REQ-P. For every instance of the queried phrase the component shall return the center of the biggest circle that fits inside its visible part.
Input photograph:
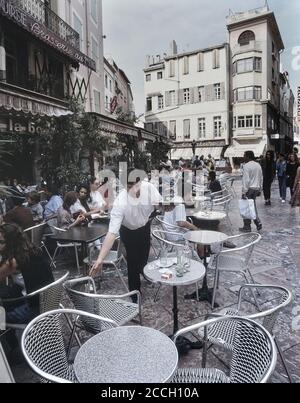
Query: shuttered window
(173, 129)
(187, 129)
(216, 58)
(200, 61)
(172, 68)
(186, 65)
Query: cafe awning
(238, 150)
(187, 153)
(15, 99)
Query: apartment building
(187, 99)
(257, 84)
(117, 87)
(40, 56)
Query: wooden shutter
(201, 61)
(180, 97)
(192, 97)
(209, 93)
(167, 99)
(196, 95)
(222, 90)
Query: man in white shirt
(252, 186)
(130, 217)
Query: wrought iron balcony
(43, 14)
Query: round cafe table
(205, 238)
(196, 272)
(127, 354)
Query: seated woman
(35, 207)
(82, 204)
(65, 219)
(19, 256)
(96, 200)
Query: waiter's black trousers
(137, 245)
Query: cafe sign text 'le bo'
(8, 9)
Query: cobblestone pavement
(276, 260)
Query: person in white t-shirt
(130, 217)
(96, 200)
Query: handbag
(247, 209)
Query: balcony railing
(252, 46)
(43, 14)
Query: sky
(136, 28)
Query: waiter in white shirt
(130, 217)
(252, 186)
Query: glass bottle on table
(164, 257)
(187, 256)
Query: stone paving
(276, 260)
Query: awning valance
(30, 103)
(187, 153)
(238, 150)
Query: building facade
(38, 53)
(233, 94)
(118, 93)
(187, 100)
(258, 104)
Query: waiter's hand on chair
(97, 267)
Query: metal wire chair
(82, 293)
(222, 334)
(43, 344)
(253, 357)
(236, 259)
(49, 299)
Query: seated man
(213, 184)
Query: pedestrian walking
(269, 172)
(252, 186)
(281, 166)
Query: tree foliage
(67, 146)
(159, 151)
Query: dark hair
(69, 199)
(212, 175)
(35, 197)
(53, 189)
(250, 155)
(17, 245)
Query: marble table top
(205, 237)
(210, 215)
(153, 273)
(127, 354)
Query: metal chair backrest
(36, 234)
(82, 293)
(43, 344)
(244, 243)
(161, 236)
(254, 353)
(280, 296)
(167, 226)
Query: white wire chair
(43, 344)
(236, 260)
(222, 334)
(82, 293)
(49, 299)
(253, 355)
(114, 259)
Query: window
(148, 77)
(186, 65)
(202, 128)
(160, 102)
(217, 126)
(159, 75)
(249, 121)
(258, 64)
(216, 59)
(258, 121)
(110, 85)
(95, 50)
(241, 122)
(106, 81)
(187, 129)
(172, 95)
(186, 96)
(234, 122)
(94, 12)
(97, 101)
(246, 37)
(78, 28)
(149, 104)
(172, 68)
(247, 94)
(217, 88)
(201, 91)
(201, 61)
(106, 102)
(173, 129)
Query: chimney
(174, 50)
(147, 63)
